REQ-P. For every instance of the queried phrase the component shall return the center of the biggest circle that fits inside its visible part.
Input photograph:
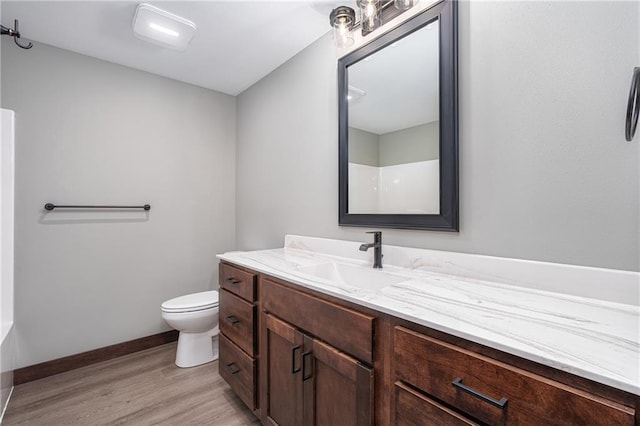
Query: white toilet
(196, 317)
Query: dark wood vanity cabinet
(306, 380)
(298, 357)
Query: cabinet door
(283, 373)
(337, 389)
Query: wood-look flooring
(143, 388)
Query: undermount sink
(352, 276)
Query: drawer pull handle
(306, 377)
(457, 382)
(232, 369)
(232, 280)
(294, 370)
(232, 319)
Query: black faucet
(377, 248)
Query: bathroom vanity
(310, 334)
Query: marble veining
(590, 328)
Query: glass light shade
(342, 36)
(342, 19)
(404, 4)
(369, 14)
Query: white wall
(92, 132)
(7, 179)
(545, 171)
(410, 188)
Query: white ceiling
(398, 86)
(236, 43)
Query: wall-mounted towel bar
(50, 206)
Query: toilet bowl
(195, 316)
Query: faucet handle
(377, 236)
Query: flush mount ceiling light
(163, 28)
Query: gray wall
(545, 171)
(364, 147)
(417, 143)
(92, 132)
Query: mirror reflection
(394, 128)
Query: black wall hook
(15, 33)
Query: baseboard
(71, 362)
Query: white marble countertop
(594, 337)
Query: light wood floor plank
(144, 388)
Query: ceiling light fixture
(163, 28)
(355, 93)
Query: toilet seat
(192, 302)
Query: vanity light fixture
(342, 19)
(373, 13)
(163, 28)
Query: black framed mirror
(398, 126)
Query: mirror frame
(447, 220)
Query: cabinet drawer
(347, 330)
(237, 320)
(237, 281)
(413, 408)
(432, 365)
(238, 370)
